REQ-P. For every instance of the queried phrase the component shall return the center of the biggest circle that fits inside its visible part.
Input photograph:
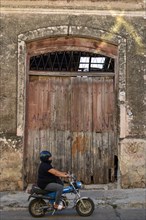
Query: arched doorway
(70, 107)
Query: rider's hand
(67, 175)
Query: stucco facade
(121, 24)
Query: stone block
(132, 163)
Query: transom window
(72, 61)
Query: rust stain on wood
(79, 145)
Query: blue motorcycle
(43, 201)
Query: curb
(116, 199)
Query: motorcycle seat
(37, 190)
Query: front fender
(81, 199)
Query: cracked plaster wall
(75, 4)
(130, 100)
(11, 163)
(133, 163)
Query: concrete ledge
(76, 4)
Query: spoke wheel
(85, 207)
(36, 207)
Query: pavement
(103, 196)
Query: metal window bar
(73, 61)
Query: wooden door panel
(81, 126)
(103, 144)
(73, 117)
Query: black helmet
(44, 155)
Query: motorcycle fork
(82, 203)
(53, 212)
(79, 199)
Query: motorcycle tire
(85, 207)
(36, 207)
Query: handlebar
(71, 176)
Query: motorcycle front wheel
(85, 207)
(36, 207)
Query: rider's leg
(55, 187)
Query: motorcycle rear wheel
(36, 207)
(85, 207)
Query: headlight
(79, 185)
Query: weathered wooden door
(73, 117)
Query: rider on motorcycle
(49, 177)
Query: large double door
(74, 118)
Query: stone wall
(11, 174)
(132, 163)
(131, 87)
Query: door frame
(77, 43)
(120, 76)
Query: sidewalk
(102, 197)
